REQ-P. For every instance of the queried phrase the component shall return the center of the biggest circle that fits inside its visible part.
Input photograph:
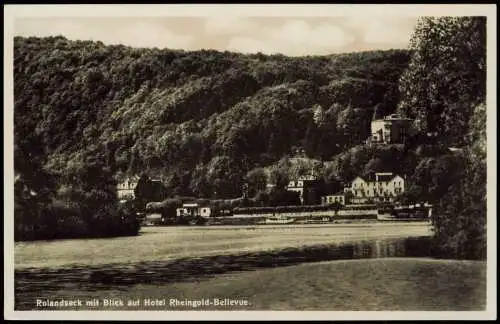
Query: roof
(391, 117)
(124, 178)
(382, 177)
(156, 180)
(385, 176)
(306, 178)
(395, 117)
(360, 177)
(190, 205)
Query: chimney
(375, 112)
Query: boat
(324, 220)
(404, 213)
(386, 217)
(279, 219)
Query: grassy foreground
(372, 284)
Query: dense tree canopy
(446, 77)
(200, 120)
(444, 88)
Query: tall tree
(460, 216)
(444, 89)
(257, 181)
(446, 76)
(311, 138)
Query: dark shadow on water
(120, 276)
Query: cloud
(293, 37)
(292, 31)
(229, 25)
(252, 45)
(384, 33)
(290, 36)
(330, 36)
(128, 32)
(391, 31)
(143, 34)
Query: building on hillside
(336, 198)
(391, 129)
(298, 152)
(150, 189)
(194, 210)
(306, 187)
(159, 192)
(382, 187)
(125, 188)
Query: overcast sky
(287, 35)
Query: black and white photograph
(250, 161)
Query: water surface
(181, 260)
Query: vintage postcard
(278, 162)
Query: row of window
(377, 184)
(299, 184)
(365, 199)
(127, 185)
(330, 199)
(371, 193)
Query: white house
(125, 188)
(385, 186)
(390, 129)
(194, 210)
(330, 199)
(302, 184)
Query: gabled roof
(382, 177)
(358, 177)
(124, 178)
(190, 205)
(385, 177)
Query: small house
(194, 210)
(125, 188)
(390, 129)
(331, 199)
(306, 187)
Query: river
(192, 263)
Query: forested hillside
(208, 122)
(200, 120)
